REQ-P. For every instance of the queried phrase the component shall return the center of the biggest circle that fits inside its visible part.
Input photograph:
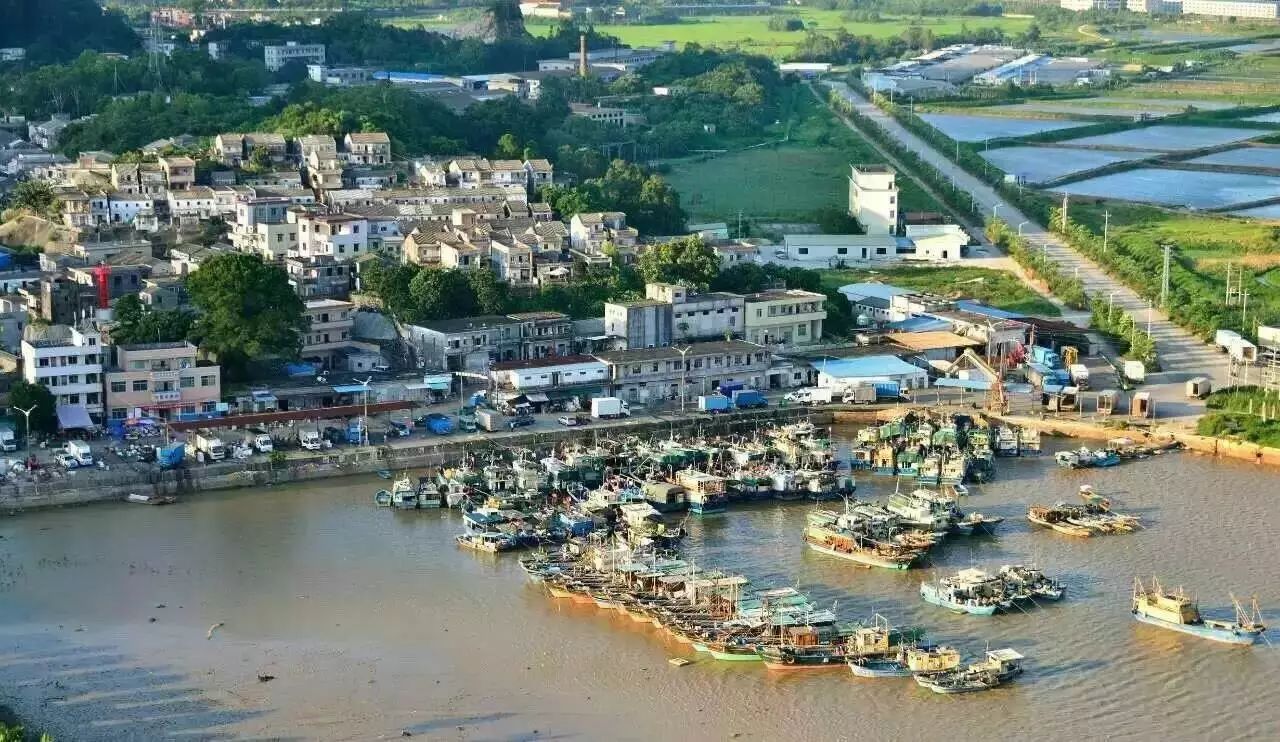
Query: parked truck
(609, 407)
(355, 431)
(259, 439)
(170, 456)
(1244, 351)
(746, 399)
(1045, 356)
(859, 395)
(1079, 375)
(79, 450)
(714, 403)
(489, 420)
(8, 441)
(310, 440)
(208, 444)
(811, 395)
(1224, 339)
(467, 419)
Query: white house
(829, 249)
(68, 361)
(937, 243)
(873, 198)
(551, 372)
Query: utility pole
(683, 370)
(1106, 227)
(27, 414)
(739, 223)
(1244, 310)
(1164, 279)
(364, 418)
(1066, 200)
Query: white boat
(404, 495)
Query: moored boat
(1058, 519)
(969, 591)
(1179, 612)
(489, 541)
(999, 667)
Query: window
(188, 381)
(140, 385)
(73, 398)
(138, 365)
(91, 398)
(803, 250)
(117, 387)
(208, 380)
(189, 409)
(801, 330)
(842, 251)
(119, 413)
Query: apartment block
(652, 374)
(784, 317)
(277, 56)
(161, 380)
(68, 362)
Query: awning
(350, 388)
(536, 397)
(74, 417)
(438, 386)
(977, 385)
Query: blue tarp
(919, 324)
(976, 385)
(74, 417)
(884, 367)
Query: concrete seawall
(99, 486)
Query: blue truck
(355, 431)
(439, 424)
(714, 403)
(1045, 356)
(170, 456)
(745, 399)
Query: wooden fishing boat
(907, 661)
(489, 542)
(1057, 519)
(969, 591)
(999, 667)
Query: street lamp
(995, 210)
(1020, 226)
(27, 414)
(683, 369)
(364, 419)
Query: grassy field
(751, 32)
(1241, 413)
(786, 182)
(995, 288)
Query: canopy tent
(74, 417)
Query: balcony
(159, 397)
(164, 374)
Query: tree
(441, 294)
(508, 148)
(490, 293)
(246, 310)
(687, 260)
(23, 395)
(135, 323)
(36, 196)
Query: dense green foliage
(1067, 288)
(133, 322)
(1124, 332)
(24, 395)
(1249, 413)
(53, 30)
(687, 261)
(36, 196)
(649, 202)
(246, 310)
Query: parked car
(65, 460)
(398, 430)
(573, 421)
(520, 421)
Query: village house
(654, 374)
(161, 380)
(788, 317)
(368, 148)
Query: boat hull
(973, 610)
(1224, 636)
(876, 669)
(859, 557)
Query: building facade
(276, 56)
(161, 380)
(655, 374)
(785, 316)
(873, 198)
(68, 362)
(645, 323)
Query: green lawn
(786, 182)
(992, 287)
(751, 32)
(1241, 413)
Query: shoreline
(108, 486)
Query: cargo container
(170, 456)
(714, 403)
(1244, 351)
(1045, 356)
(1224, 339)
(1079, 375)
(489, 420)
(811, 395)
(745, 399)
(860, 395)
(609, 407)
(1135, 371)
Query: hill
(58, 30)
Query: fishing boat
(1029, 583)
(1006, 442)
(955, 468)
(1058, 519)
(907, 661)
(969, 591)
(665, 497)
(150, 499)
(428, 493)
(922, 508)
(706, 492)
(1029, 442)
(404, 495)
(930, 474)
(973, 523)
(488, 541)
(844, 537)
(1000, 666)
(1179, 612)
(382, 498)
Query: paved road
(1182, 354)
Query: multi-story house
(784, 317)
(276, 56)
(512, 261)
(274, 145)
(68, 362)
(873, 198)
(368, 148)
(140, 211)
(590, 232)
(341, 237)
(651, 374)
(328, 337)
(544, 334)
(550, 376)
(320, 277)
(228, 149)
(192, 205)
(541, 173)
(644, 323)
(715, 315)
(179, 172)
(468, 343)
(319, 153)
(508, 172)
(138, 178)
(161, 380)
(80, 209)
(262, 227)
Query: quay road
(1182, 355)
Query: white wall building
(68, 361)
(277, 56)
(339, 236)
(1265, 10)
(873, 198)
(1081, 6)
(549, 373)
